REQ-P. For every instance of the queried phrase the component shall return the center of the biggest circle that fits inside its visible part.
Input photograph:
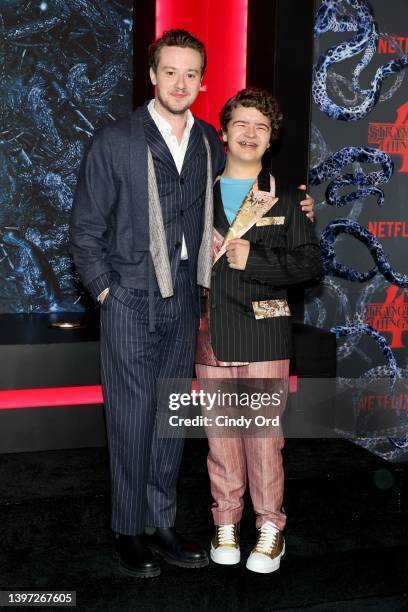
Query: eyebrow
(247, 123)
(174, 68)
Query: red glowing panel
(72, 396)
(293, 384)
(222, 26)
(58, 396)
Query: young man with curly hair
(262, 244)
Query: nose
(250, 131)
(180, 82)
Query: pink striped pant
(231, 459)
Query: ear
(224, 137)
(153, 77)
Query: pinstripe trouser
(144, 467)
(231, 458)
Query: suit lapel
(156, 142)
(194, 146)
(256, 204)
(220, 219)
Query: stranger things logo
(390, 316)
(392, 138)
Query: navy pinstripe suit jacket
(280, 255)
(109, 231)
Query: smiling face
(177, 79)
(248, 135)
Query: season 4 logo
(390, 316)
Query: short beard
(171, 110)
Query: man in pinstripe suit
(141, 237)
(141, 234)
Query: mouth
(179, 96)
(247, 145)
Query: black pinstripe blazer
(250, 320)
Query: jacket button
(181, 181)
(178, 244)
(181, 213)
(213, 273)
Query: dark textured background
(66, 70)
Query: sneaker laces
(226, 534)
(268, 534)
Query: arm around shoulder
(217, 148)
(301, 259)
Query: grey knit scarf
(157, 234)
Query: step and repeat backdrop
(66, 70)
(359, 178)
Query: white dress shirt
(177, 150)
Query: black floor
(346, 538)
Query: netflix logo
(384, 402)
(386, 46)
(388, 229)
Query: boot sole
(128, 571)
(172, 561)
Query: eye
(169, 73)
(191, 76)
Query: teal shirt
(233, 191)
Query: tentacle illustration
(367, 183)
(351, 330)
(359, 232)
(329, 18)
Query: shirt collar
(163, 125)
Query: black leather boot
(135, 558)
(167, 543)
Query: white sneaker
(225, 546)
(270, 547)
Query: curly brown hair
(176, 38)
(254, 97)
